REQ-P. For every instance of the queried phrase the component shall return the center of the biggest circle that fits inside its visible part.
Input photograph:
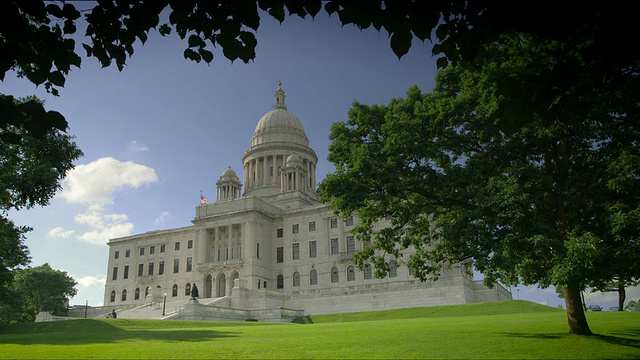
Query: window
(150, 269)
(334, 246)
(313, 252)
(410, 270)
(140, 269)
(177, 246)
(127, 253)
(162, 248)
(258, 251)
(296, 279)
(176, 266)
(115, 273)
(271, 171)
(280, 282)
(351, 273)
(280, 254)
(136, 294)
(187, 289)
(335, 276)
(393, 269)
(367, 272)
(279, 233)
(312, 226)
(190, 244)
(124, 295)
(351, 244)
(174, 290)
(349, 221)
(295, 228)
(334, 223)
(141, 251)
(152, 250)
(116, 255)
(113, 296)
(313, 277)
(295, 249)
(161, 267)
(189, 264)
(126, 272)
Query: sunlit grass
(514, 329)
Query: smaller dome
(294, 160)
(229, 173)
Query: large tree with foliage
(43, 288)
(33, 160)
(552, 201)
(38, 40)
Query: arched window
(351, 273)
(393, 269)
(113, 296)
(367, 272)
(187, 289)
(296, 279)
(136, 294)
(280, 282)
(313, 277)
(174, 293)
(335, 276)
(124, 295)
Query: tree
(619, 286)
(44, 289)
(37, 36)
(548, 202)
(31, 165)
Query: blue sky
(165, 128)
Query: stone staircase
(154, 310)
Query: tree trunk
(622, 295)
(575, 313)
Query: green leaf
(192, 55)
(206, 55)
(57, 120)
(442, 62)
(57, 78)
(164, 30)
(401, 42)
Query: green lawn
(513, 329)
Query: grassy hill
(510, 329)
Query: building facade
(266, 242)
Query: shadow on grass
(82, 332)
(629, 337)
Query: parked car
(594, 308)
(614, 308)
(633, 308)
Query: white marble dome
(279, 125)
(229, 174)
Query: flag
(203, 200)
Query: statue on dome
(279, 84)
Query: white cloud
(90, 289)
(92, 281)
(94, 184)
(135, 146)
(60, 232)
(162, 217)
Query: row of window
(152, 249)
(335, 275)
(295, 228)
(151, 268)
(136, 293)
(313, 249)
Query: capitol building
(266, 245)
